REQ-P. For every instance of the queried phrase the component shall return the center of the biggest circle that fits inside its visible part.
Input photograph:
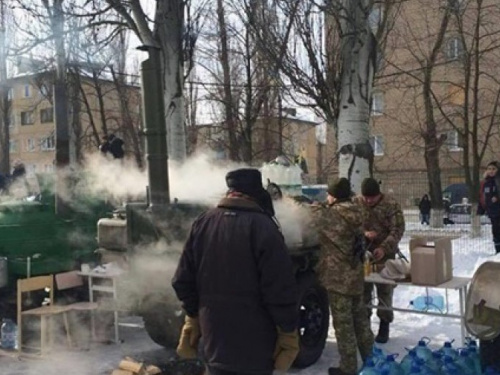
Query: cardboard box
(431, 260)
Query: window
(27, 91)
(12, 121)
(30, 145)
(27, 118)
(44, 91)
(10, 93)
(454, 140)
(377, 103)
(31, 169)
(48, 144)
(375, 18)
(455, 5)
(49, 168)
(12, 145)
(377, 143)
(454, 49)
(47, 115)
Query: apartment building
(291, 136)
(464, 93)
(96, 107)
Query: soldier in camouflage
(340, 271)
(384, 226)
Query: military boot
(383, 332)
(338, 371)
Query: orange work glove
(287, 349)
(188, 341)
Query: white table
(111, 276)
(459, 284)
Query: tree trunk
(431, 155)
(169, 21)
(4, 99)
(61, 108)
(358, 68)
(227, 101)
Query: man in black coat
(237, 286)
(489, 200)
(113, 145)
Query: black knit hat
(340, 189)
(249, 181)
(370, 187)
(246, 180)
(493, 163)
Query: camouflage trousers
(384, 297)
(352, 330)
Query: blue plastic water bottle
(449, 350)
(407, 360)
(8, 334)
(423, 350)
(415, 369)
(465, 362)
(433, 302)
(369, 368)
(490, 371)
(391, 366)
(436, 362)
(378, 355)
(424, 368)
(476, 359)
(450, 367)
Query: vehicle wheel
(314, 318)
(163, 323)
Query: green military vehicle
(35, 240)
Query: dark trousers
(215, 371)
(495, 231)
(425, 218)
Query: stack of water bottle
(421, 360)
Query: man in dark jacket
(237, 286)
(113, 145)
(425, 210)
(489, 201)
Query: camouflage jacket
(385, 218)
(338, 269)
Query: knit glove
(287, 349)
(188, 341)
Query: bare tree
(327, 52)
(471, 108)
(448, 72)
(241, 85)
(169, 36)
(4, 94)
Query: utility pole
(61, 108)
(4, 98)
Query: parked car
(456, 193)
(461, 214)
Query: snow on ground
(407, 329)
